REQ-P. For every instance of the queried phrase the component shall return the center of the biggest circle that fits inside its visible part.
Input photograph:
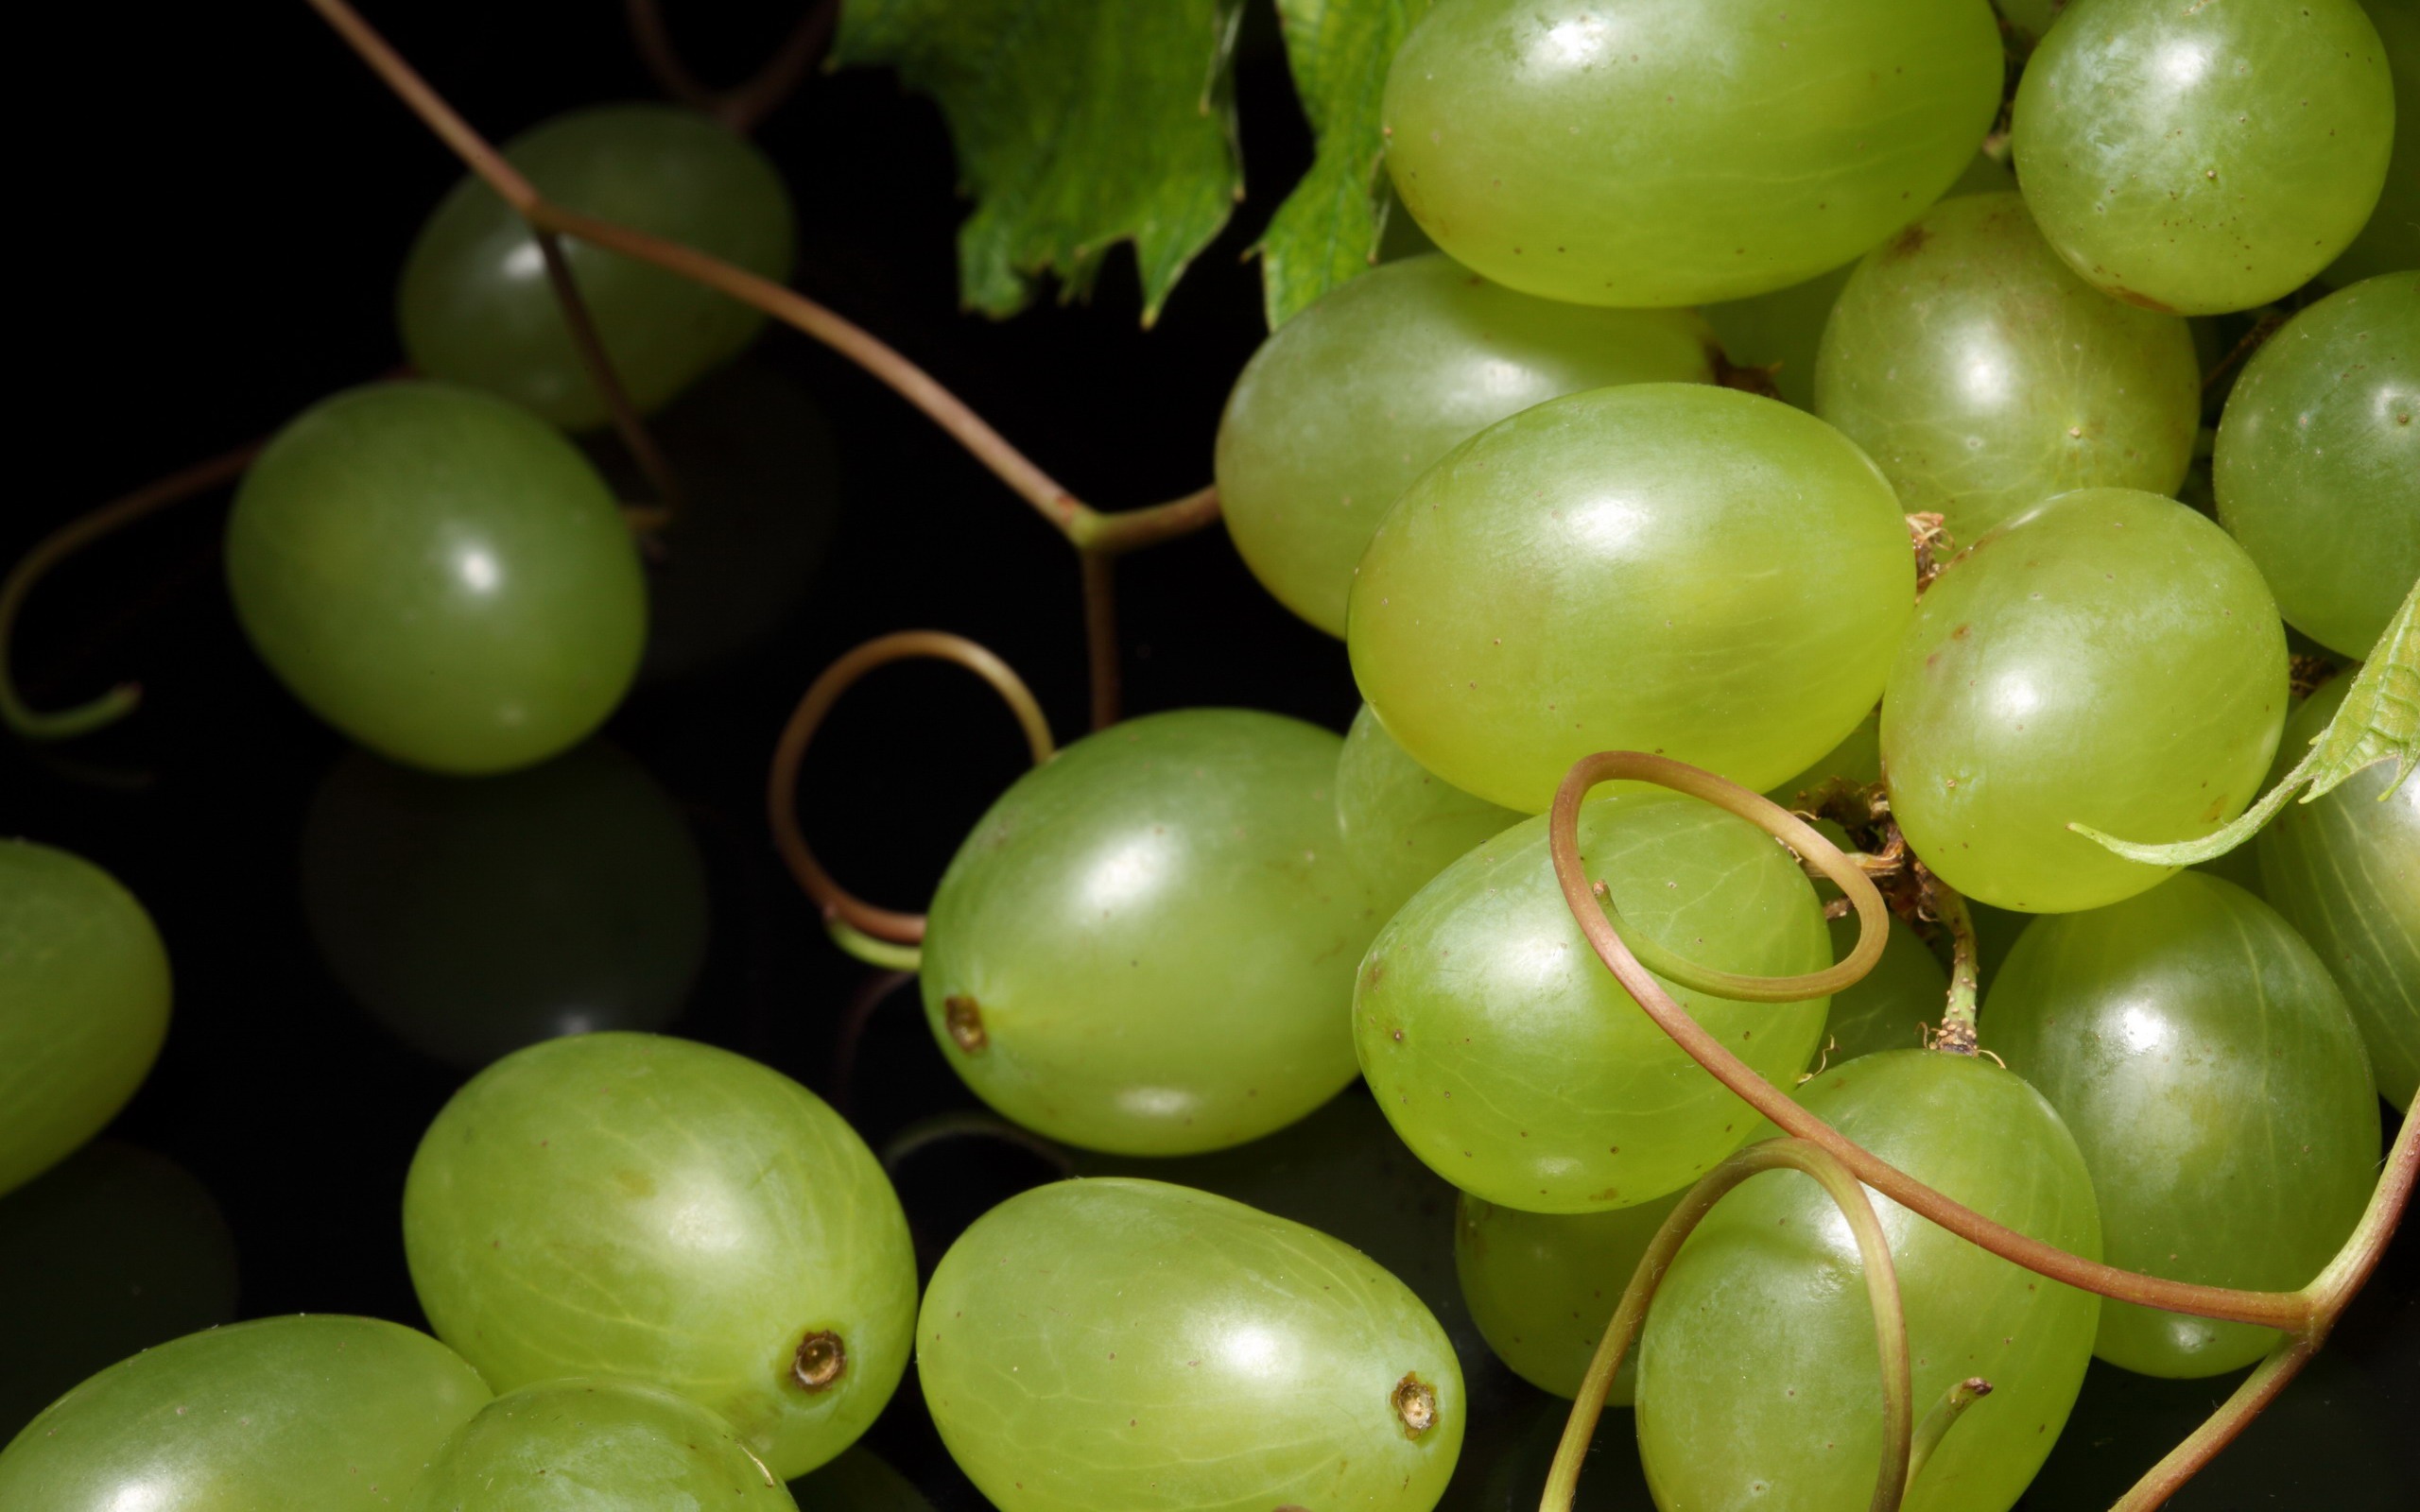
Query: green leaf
(1078, 124)
(2379, 722)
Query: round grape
(596, 1446)
(1543, 1286)
(1890, 1006)
(2390, 241)
(1403, 823)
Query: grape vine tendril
(744, 106)
(628, 424)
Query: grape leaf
(1078, 124)
(2379, 722)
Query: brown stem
(1100, 634)
(744, 106)
(662, 60)
(593, 356)
(2234, 1416)
(1957, 1018)
(2254, 339)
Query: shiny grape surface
(1984, 376)
(628, 1205)
(2392, 239)
(1147, 945)
(1542, 1285)
(2203, 158)
(2109, 658)
(1115, 1343)
(596, 1446)
(331, 1413)
(2318, 463)
(1887, 1008)
(1351, 400)
(1664, 567)
(475, 305)
(83, 1005)
(1662, 152)
(1510, 1059)
(1403, 823)
(1858, 758)
(440, 575)
(1757, 1378)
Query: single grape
(1982, 376)
(1661, 152)
(83, 1005)
(2318, 464)
(440, 575)
(1513, 1062)
(2390, 241)
(1403, 823)
(1996, 932)
(628, 1205)
(1664, 567)
(475, 305)
(1890, 1005)
(1542, 1285)
(331, 1413)
(1114, 1343)
(2032, 19)
(1857, 759)
(1147, 945)
(2344, 869)
(2203, 158)
(2216, 1082)
(2108, 657)
(1762, 1325)
(858, 1480)
(596, 1446)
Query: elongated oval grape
(1984, 376)
(2216, 1082)
(83, 1005)
(1123, 1343)
(1886, 1008)
(2390, 241)
(2107, 658)
(475, 305)
(440, 575)
(1658, 152)
(596, 1446)
(1348, 401)
(1510, 1059)
(2318, 463)
(1542, 1285)
(1663, 567)
(2203, 158)
(1762, 1324)
(331, 1413)
(2344, 869)
(1147, 945)
(628, 1205)
(1403, 823)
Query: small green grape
(1351, 400)
(626, 1205)
(2203, 158)
(1857, 759)
(2390, 241)
(440, 575)
(1542, 1285)
(1114, 1343)
(858, 1480)
(1663, 567)
(1886, 1008)
(1403, 823)
(83, 1005)
(475, 305)
(2108, 657)
(596, 1446)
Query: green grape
(2032, 19)
(330, 1413)
(2107, 658)
(1659, 152)
(438, 574)
(2318, 464)
(1114, 1343)
(1857, 759)
(1403, 823)
(1147, 945)
(1996, 932)
(2344, 869)
(1542, 1285)
(1662, 567)
(475, 305)
(1982, 376)
(2390, 241)
(1887, 1008)
(2203, 158)
(626, 1205)
(476, 916)
(1757, 1378)
(83, 1005)
(1517, 1067)
(858, 1480)
(1351, 400)
(596, 1446)
(2216, 1082)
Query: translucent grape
(1984, 376)
(1907, 989)
(1661, 152)
(440, 575)
(626, 1205)
(1403, 823)
(2203, 158)
(83, 1005)
(1757, 1377)
(596, 1446)
(1542, 1285)
(2390, 241)
(475, 305)
(2318, 464)
(1661, 567)
(1147, 945)
(2108, 657)
(1513, 1062)
(1114, 1343)
(2216, 1082)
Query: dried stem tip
(964, 1018)
(1415, 1404)
(822, 1360)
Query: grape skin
(596, 1446)
(1403, 823)
(1884, 1009)
(1543, 1286)
(2390, 241)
